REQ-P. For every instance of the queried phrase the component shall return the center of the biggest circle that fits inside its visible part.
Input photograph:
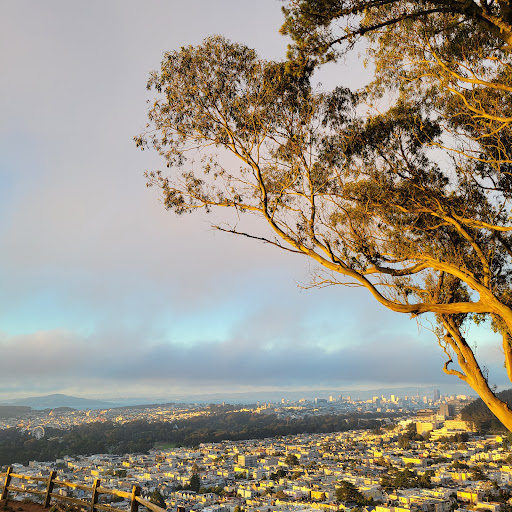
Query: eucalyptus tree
(411, 202)
(450, 62)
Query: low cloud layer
(103, 291)
(125, 363)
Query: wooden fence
(92, 503)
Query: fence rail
(92, 503)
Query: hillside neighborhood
(431, 462)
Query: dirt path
(30, 506)
(20, 506)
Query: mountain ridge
(57, 400)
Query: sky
(103, 293)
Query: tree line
(140, 436)
(478, 413)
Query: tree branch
(259, 238)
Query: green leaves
(411, 201)
(349, 493)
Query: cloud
(105, 291)
(125, 362)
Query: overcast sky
(105, 294)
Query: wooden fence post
(135, 504)
(6, 483)
(49, 488)
(94, 498)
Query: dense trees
(406, 478)
(347, 492)
(140, 436)
(479, 414)
(157, 498)
(292, 460)
(13, 411)
(408, 197)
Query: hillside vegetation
(141, 436)
(482, 417)
(13, 411)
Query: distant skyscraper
(437, 395)
(447, 410)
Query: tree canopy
(157, 498)
(318, 27)
(402, 188)
(347, 492)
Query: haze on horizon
(104, 293)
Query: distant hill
(58, 400)
(482, 417)
(59, 410)
(142, 406)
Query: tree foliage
(157, 498)
(479, 414)
(140, 436)
(291, 460)
(195, 482)
(347, 492)
(319, 28)
(411, 202)
(406, 479)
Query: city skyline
(103, 291)
(425, 394)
